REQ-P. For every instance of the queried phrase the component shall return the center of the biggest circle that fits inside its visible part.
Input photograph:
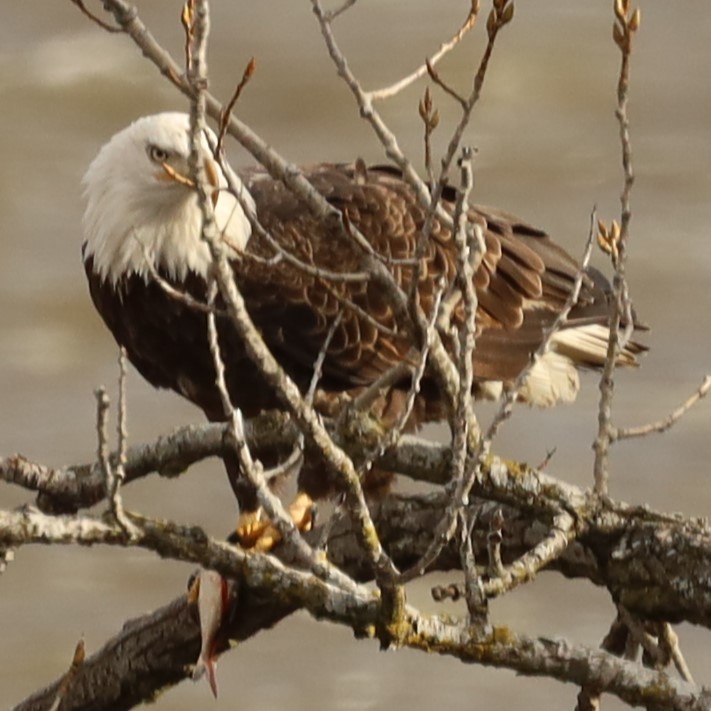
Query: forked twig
(113, 477)
(94, 18)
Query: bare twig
(121, 426)
(187, 19)
(113, 476)
(65, 683)
(367, 111)
(547, 459)
(390, 377)
(494, 540)
(503, 579)
(524, 569)
(446, 47)
(318, 365)
(437, 79)
(477, 603)
(102, 450)
(665, 423)
(625, 25)
(500, 15)
(182, 296)
(227, 111)
(104, 25)
(463, 456)
(347, 4)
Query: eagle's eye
(158, 155)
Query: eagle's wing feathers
(523, 280)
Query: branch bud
(635, 20)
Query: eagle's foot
(250, 527)
(261, 535)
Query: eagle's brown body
(522, 283)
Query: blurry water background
(548, 151)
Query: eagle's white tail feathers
(587, 345)
(554, 377)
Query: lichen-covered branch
(270, 590)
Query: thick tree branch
(154, 651)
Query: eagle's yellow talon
(256, 533)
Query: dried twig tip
(226, 112)
(626, 25)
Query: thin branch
(227, 111)
(112, 475)
(430, 119)
(74, 668)
(446, 88)
(249, 468)
(625, 26)
(102, 449)
(347, 4)
(493, 545)
(503, 579)
(443, 369)
(365, 104)
(122, 420)
(446, 47)
(318, 365)
(94, 18)
(474, 594)
(523, 570)
(665, 423)
(390, 377)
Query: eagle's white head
(142, 205)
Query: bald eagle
(142, 217)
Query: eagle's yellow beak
(213, 178)
(170, 173)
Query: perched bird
(142, 217)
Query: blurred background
(548, 151)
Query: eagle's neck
(126, 233)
